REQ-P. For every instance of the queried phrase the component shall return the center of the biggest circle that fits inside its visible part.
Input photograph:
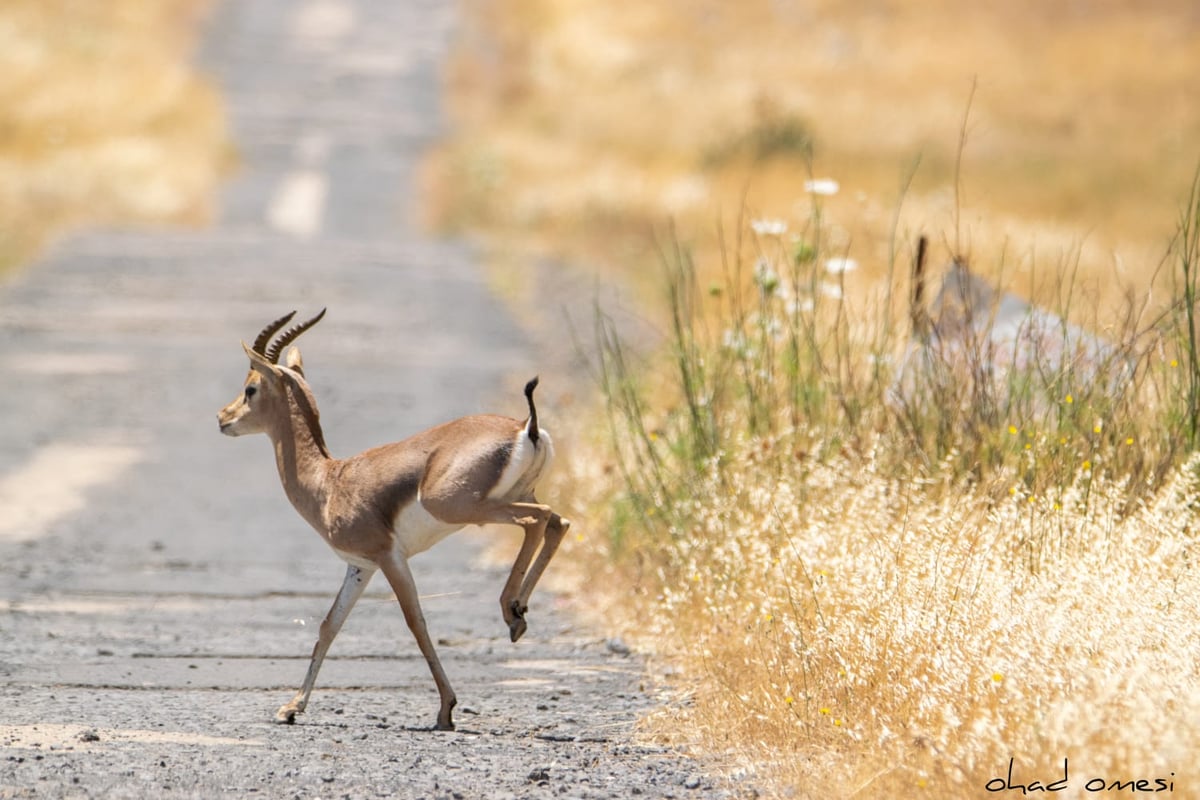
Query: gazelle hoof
(516, 628)
(286, 715)
(444, 720)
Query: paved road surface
(158, 596)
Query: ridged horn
(260, 343)
(289, 336)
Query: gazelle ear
(294, 362)
(259, 363)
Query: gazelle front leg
(353, 584)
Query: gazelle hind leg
(556, 529)
(534, 518)
(510, 607)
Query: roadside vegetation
(864, 568)
(102, 119)
(873, 598)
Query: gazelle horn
(289, 336)
(260, 343)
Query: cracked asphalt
(158, 595)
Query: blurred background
(1061, 133)
(577, 128)
(103, 119)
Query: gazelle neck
(300, 452)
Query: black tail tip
(532, 425)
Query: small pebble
(617, 646)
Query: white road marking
(52, 485)
(48, 736)
(127, 605)
(376, 65)
(319, 24)
(298, 205)
(71, 363)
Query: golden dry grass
(846, 624)
(102, 118)
(841, 623)
(843, 634)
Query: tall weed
(878, 588)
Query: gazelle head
(263, 396)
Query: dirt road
(158, 596)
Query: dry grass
(852, 612)
(857, 605)
(845, 634)
(102, 118)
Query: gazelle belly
(416, 530)
(355, 560)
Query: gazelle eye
(250, 390)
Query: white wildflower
(769, 227)
(840, 266)
(736, 341)
(766, 277)
(795, 307)
(831, 290)
(826, 187)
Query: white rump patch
(524, 467)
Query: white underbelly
(356, 560)
(417, 530)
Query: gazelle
(385, 505)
